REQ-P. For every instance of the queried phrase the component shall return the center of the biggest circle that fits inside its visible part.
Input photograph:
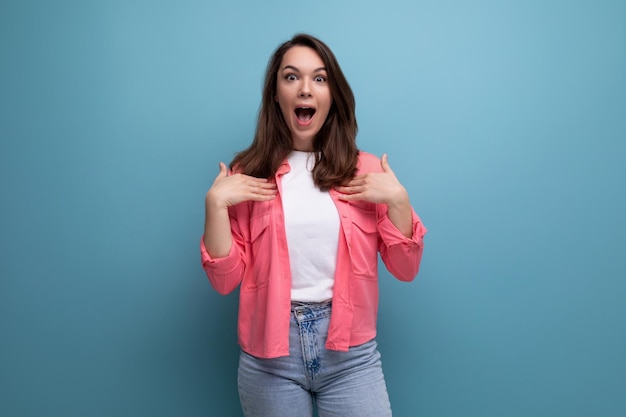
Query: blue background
(505, 120)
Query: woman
(299, 223)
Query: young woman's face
(303, 93)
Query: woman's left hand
(382, 187)
(376, 187)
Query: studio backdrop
(505, 121)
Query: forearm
(218, 237)
(401, 215)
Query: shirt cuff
(227, 263)
(392, 236)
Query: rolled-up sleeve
(401, 255)
(226, 273)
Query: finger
(262, 196)
(267, 185)
(350, 197)
(258, 183)
(351, 191)
(223, 170)
(263, 188)
(355, 182)
(384, 163)
(254, 179)
(344, 188)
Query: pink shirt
(258, 261)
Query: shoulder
(368, 163)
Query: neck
(302, 146)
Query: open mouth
(304, 114)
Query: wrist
(213, 202)
(400, 200)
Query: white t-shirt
(312, 228)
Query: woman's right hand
(229, 190)
(226, 191)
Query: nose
(305, 88)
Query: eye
(320, 79)
(291, 77)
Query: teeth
(304, 114)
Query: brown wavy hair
(334, 146)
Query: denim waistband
(310, 311)
(310, 304)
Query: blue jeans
(342, 384)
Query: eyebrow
(296, 69)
